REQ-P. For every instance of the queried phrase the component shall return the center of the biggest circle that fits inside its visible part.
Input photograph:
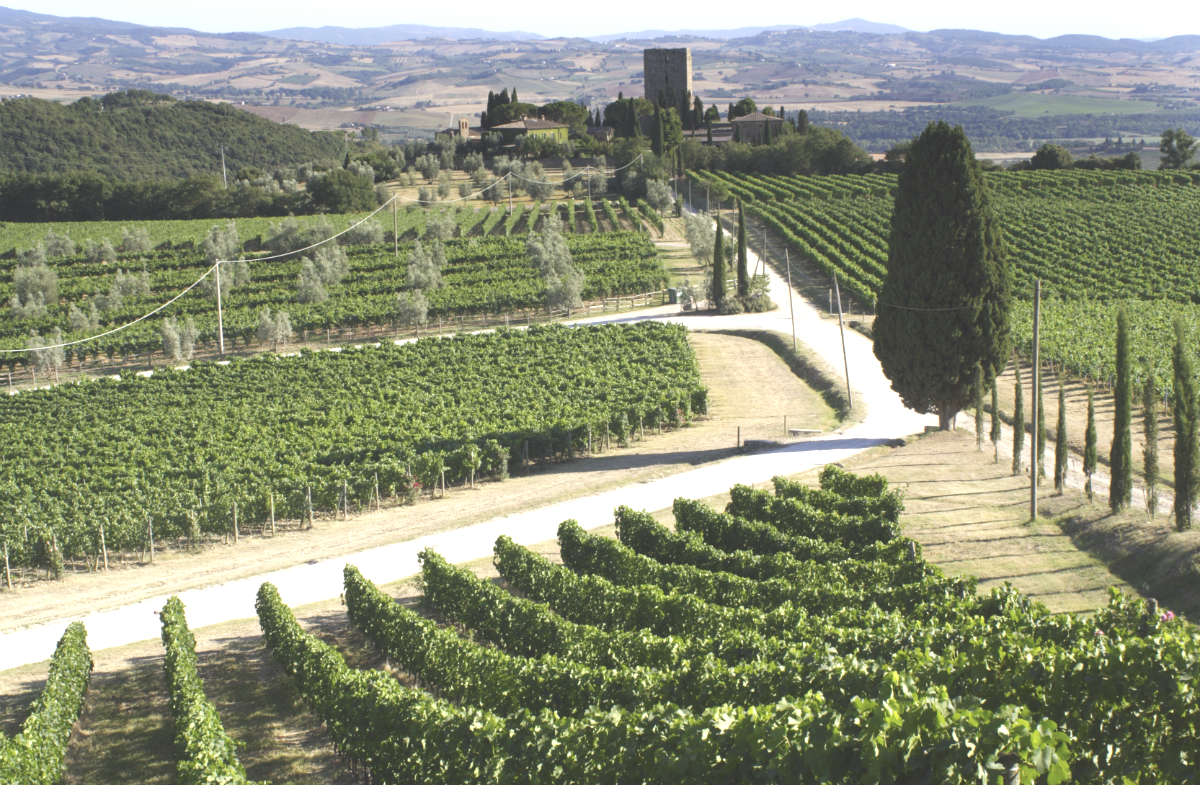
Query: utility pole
(509, 176)
(1037, 377)
(220, 315)
(395, 228)
(762, 256)
(224, 176)
(791, 311)
(837, 291)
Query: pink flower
(1099, 632)
(1167, 616)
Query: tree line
(81, 196)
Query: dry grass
(971, 517)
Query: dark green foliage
(743, 268)
(1089, 445)
(1018, 424)
(944, 304)
(1051, 156)
(717, 291)
(339, 191)
(1121, 455)
(1187, 471)
(143, 136)
(207, 755)
(1150, 443)
(1060, 441)
(36, 754)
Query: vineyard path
(886, 420)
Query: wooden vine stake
(235, 523)
(104, 548)
(345, 501)
(308, 509)
(7, 572)
(271, 498)
(150, 532)
(378, 503)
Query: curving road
(886, 419)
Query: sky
(1031, 17)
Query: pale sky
(1031, 17)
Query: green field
(1036, 104)
(20, 235)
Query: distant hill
(722, 34)
(860, 26)
(138, 135)
(396, 33)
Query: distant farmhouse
(532, 127)
(756, 128)
(558, 131)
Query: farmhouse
(532, 127)
(756, 128)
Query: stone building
(558, 131)
(668, 75)
(756, 128)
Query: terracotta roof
(757, 116)
(529, 125)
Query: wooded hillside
(141, 135)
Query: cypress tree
(1121, 456)
(995, 423)
(717, 295)
(1089, 445)
(944, 305)
(1060, 442)
(1150, 444)
(979, 408)
(1018, 425)
(1185, 431)
(743, 267)
(656, 143)
(1041, 433)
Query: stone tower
(668, 75)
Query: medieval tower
(668, 75)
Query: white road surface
(886, 419)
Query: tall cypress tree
(995, 423)
(717, 294)
(1121, 455)
(1150, 443)
(944, 305)
(743, 267)
(1018, 424)
(1089, 445)
(1186, 456)
(1060, 441)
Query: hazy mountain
(860, 26)
(693, 33)
(396, 33)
